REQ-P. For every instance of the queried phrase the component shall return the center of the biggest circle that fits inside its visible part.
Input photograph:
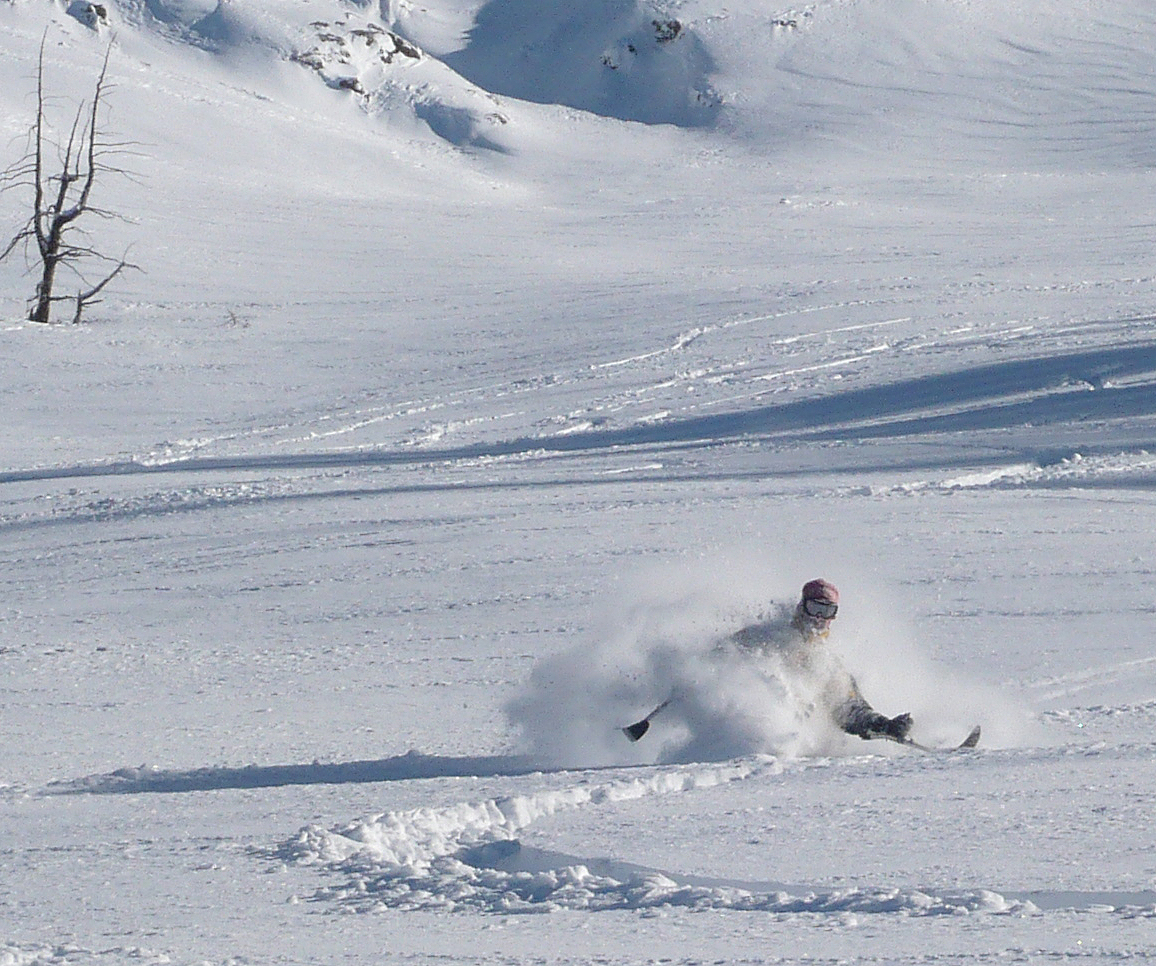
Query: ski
(969, 742)
(636, 731)
(639, 728)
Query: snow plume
(882, 643)
(662, 640)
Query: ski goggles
(823, 609)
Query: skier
(795, 650)
(802, 649)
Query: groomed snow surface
(491, 360)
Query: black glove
(898, 727)
(868, 723)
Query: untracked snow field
(487, 364)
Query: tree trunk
(42, 311)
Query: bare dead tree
(61, 199)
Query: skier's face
(817, 609)
(816, 616)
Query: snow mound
(70, 954)
(392, 77)
(345, 55)
(631, 61)
(412, 841)
(450, 859)
(351, 49)
(907, 78)
(219, 26)
(1114, 470)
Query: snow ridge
(1123, 470)
(448, 859)
(414, 839)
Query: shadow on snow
(1071, 388)
(411, 766)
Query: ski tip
(972, 739)
(636, 730)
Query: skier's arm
(755, 637)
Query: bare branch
(26, 234)
(84, 299)
(61, 198)
(38, 165)
(92, 132)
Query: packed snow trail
(448, 858)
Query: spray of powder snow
(665, 638)
(662, 638)
(882, 644)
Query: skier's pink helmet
(820, 601)
(820, 590)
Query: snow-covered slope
(489, 361)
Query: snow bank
(627, 60)
(1118, 470)
(408, 767)
(350, 49)
(884, 76)
(414, 840)
(445, 859)
(70, 954)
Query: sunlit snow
(490, 362)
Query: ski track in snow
(1121, 470)
(696, 402)
(433, 858)
(459, 857)
(688, 379)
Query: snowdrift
(622, 60)
(1053, 83)
(467, 857)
